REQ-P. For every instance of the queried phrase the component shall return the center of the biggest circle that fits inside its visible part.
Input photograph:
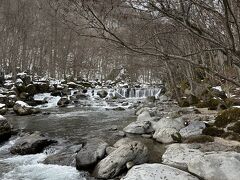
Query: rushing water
(67, 125)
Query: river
(69, 126)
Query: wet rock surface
(31, 144)
(91, 152)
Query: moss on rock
(227, 116)
(235, 128)
(231, 136)
(213, 131)
(199, 139)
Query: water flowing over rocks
(31, 144)
(157, 171)
(125, 156)
(66, 157)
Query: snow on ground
(218, 88)
(2, 105)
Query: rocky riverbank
(196, 142)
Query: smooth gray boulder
(179, 155)
(216, 166)
(144, 116)
(157, 172)
(5, 129)
(139, 127)
(213, 165)
(93, 151)
(31, 144)
(21, 108)
(167, 128)
(125, 156)
(194, 128)
(66, 157)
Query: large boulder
(207, 161)
(25, 78)
(167, 129)
(3, 109)
(31, 144)
(65, 157)
(21, 108)
(194, 128)
(102, 93)
(143, 125)
(216, 166)
(157, 171)
(93, 151)
(179, 155)
(63, 102)
(125, 156)
(139, 127)
(5, 129)
(31, 89)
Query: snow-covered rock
(21, 108)
(157, 172)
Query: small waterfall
(128, 92)
(137, 92)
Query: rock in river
(93, 151)
(157, 171)
(31, 144)
(21, 108)
(66, 157)
(125, 156)
(5, 129)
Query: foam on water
(44, 172)
(52, 100)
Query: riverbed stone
(3, 109)
(65, 157)
(179, 155)
(157, 171)
(127, 155)
(208, 161)
(139, 127)
(194, 128)
(216, 166)
(21, 108)
(93, 151)
(102, 93)
(63, 102)
(31, 144)
(5, 129)
(168, 128)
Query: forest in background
(185, 43)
